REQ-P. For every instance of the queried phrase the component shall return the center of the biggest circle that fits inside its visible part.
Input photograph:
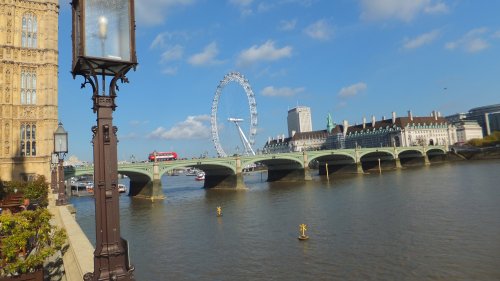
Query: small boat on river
(200, 176)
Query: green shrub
(27, 240)
(36, 191)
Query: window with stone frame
(29, 34)
(28, 87)
(28, 140)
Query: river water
(440, 222)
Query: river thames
(439, 222)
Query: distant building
(400, 131)
(488, 117)
(299, 120)
(467, 130)
(277, 145)
(455, 118)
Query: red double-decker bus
(162, 156)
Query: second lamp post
(61, 148)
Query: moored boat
(200, 176)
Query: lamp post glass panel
(104, 45)
(107, 26)
(60, 149)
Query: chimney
(293, 133)
(393, 117)
(268, 139)
(410, 115)
(383, 118)
(439, 114)
(434, 114)
(346, 124)
(373, 121)
(364, 123)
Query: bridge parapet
(228, 166)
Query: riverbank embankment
(78, 255)
(474, 153)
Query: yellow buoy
(219, 211)
(303, 229)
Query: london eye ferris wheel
(246, 140)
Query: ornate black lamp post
(54, 160)
(61, 148)
(104, 45)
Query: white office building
(299, 120)
(467, 130)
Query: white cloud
(154, 12)
(206, 57)
(270, 91)
(265, 7)
(405, 10)
(171, 70)
(287, 25)
(244, 6)
(264, 52)
(241, 3)
(138, 123)
(421, 40)
(159, 41)
(472, 42)
(172, 53)
(352, 90)
(438, 8)
(194, 127)
(320, 30)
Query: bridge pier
(152, 190)
(398, 163)
(359, 167)
(225, 181)
(289, 175)
(426, 159)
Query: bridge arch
(333, 162)
(436, 154)
(411, 157)
(281, 166)
(378, 159)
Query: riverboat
(200, 176)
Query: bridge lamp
(103, 39)
(60, 149)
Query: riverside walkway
(78, 256)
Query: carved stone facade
(28, 87)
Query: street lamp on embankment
(103, 40)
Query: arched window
(28, 140)
(28, 87)
(29, 32)
(23, 88)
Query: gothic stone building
(28, 87)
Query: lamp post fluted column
(111, 253)
(61, 196)
(53, 178)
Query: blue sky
(349, 58)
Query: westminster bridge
(227, 172)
